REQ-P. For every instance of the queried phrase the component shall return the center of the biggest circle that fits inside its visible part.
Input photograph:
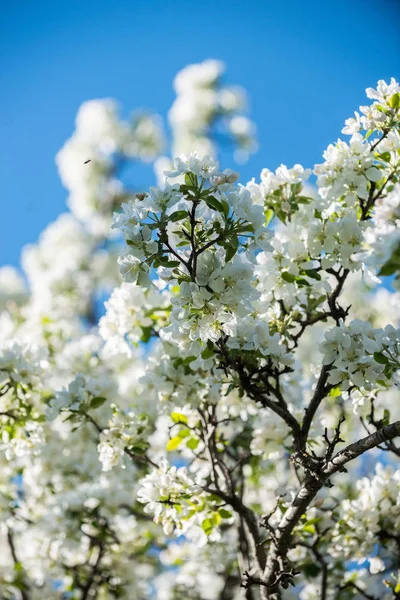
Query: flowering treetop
(200, 439)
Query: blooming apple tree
(227, 426)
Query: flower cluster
(376, 116)
(202, 101)
(383, 240)
(61, 268)
(282, 192)
(87, 162)
(83, 394)
(180, 504)
(22, 368)
(170, 494)
(360, 356)
(190, 233)
(132, 315)
(347, 173)
(124, 433)
(370, 518)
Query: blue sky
(305, 65)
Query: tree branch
(319, 394)
(313, 483)
(259, 395)
(354, 450)
(25, 595)
(93, 573)
(249, 519)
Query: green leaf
(302, 281)
(216, 518)
(269, 213)
(225, 514)
(386, 417)
(147, 332)
(286, 276)
(380, 358)
(385, 156)
(97, 401)
(215, 204)
(190, 180)
(231, 249)
(207, 353)
(184, 433)
(178, 215)
(192, 443)
(20, 585)
(312, 273)
(313, 521)
(163, 259)
(76, 427)
(72, 417)
(226, 208)
(174, 443)
(394, 101)
(138, 449)
(311, 570)
(186, 361)
(335, 392)
(389, 268)
(207, 526)
(313, 304)
(179, 418)
(231, 387)
(282, 216)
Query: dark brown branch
(8, 414)
(354, 450)
(312, 485)
(331, 444)
(359, 590)
(192, 262)
(320, 392)
(5, 389)
(178, 256)
(322, 316)
(249, 519)
(25, 595)
(260, 395)
(95, 568)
